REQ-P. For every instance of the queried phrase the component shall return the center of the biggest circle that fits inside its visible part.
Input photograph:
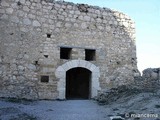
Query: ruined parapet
(151, 73)
(149, 80)
(151, 77)
(33, 34)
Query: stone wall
(32, 33)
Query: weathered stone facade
(33, 33)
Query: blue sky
(146, 14)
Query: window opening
(90, 55)
(45, 79)
(65, 53)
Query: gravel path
(53, 110)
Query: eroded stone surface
(30, 30)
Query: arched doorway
(61, 76)
(78, 83)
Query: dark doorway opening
(78, 83)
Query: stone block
(58, 72)
(26, 9)
(0, 72)
(4, 3)
(88, 65)
(27, 21)
(82, 63)
(74, 63)
(21, 67)
(2, 11)
(65, 66)
(92, 67)
(23, 1)
(84, 25)
(36, 23)
(9, 10)
(87, 18)
(69, 64)
(68, 25)
(31, 67)
(14, 19)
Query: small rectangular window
(48, 35)
(45, 79)
(90, 55)
(65, 53)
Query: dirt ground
(51, 110)
(146, 104)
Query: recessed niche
(36, 62)
(90, 55)
(65, 53)
(118, 62)
(48, 35)
(46, 56)
(45, 79)
(133, 58)
(11, 33)
(19, 3)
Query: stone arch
(61, 75)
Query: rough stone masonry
(41, 40)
